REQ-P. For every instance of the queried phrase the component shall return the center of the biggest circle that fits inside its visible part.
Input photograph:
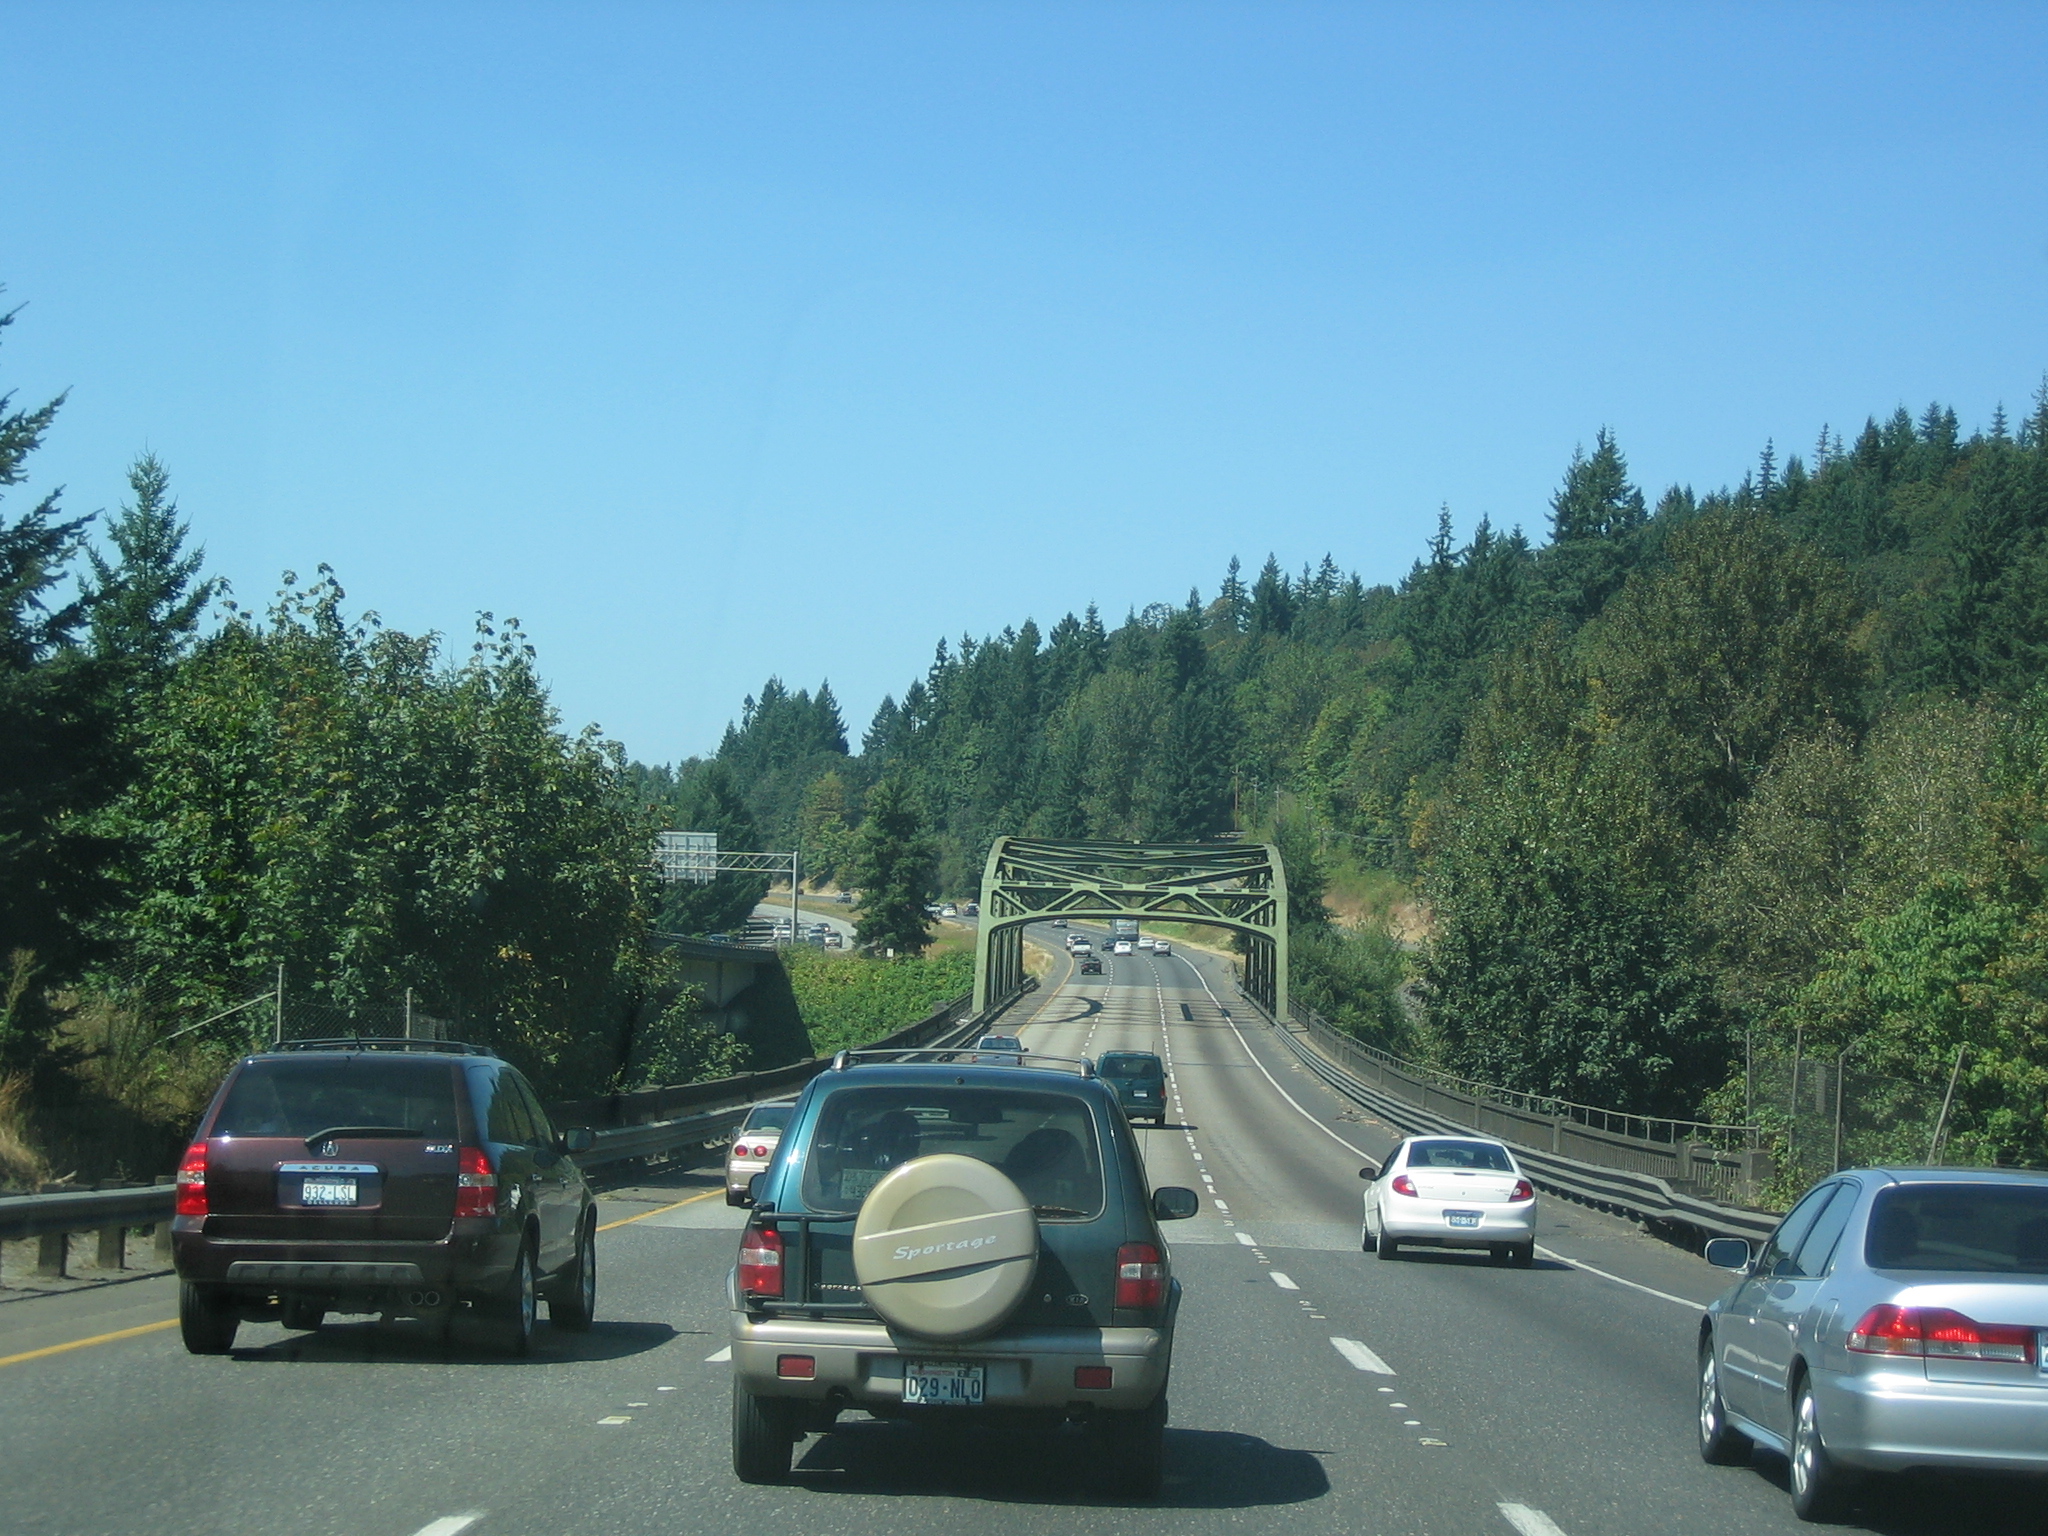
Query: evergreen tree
(894, 866)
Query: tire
(304, 1316)
(1133, 1449)
(573, 1302)
(1524, 1254)
(1502, 1254)
(1387, 1247)
(1819, 1484)
(945, 1247)
(762, 1437)
(206, 1320)
(1720, 1446)
(518, 1307)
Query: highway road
(1316, 1388)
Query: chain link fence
(1820, 1113)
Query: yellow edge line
(99, 1338)
(627, 1221)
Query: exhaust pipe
(423, 1298)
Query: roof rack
(382, 1043)
(952, 1055)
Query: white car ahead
(1123, 947)
(1451, 1192)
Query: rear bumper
(473, 1260)
(861, 1364)
(1891, 1421)
(1427, 1223)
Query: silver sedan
(1897, 1319)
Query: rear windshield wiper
(1055, 1210)
(359, 1132)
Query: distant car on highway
(1896, 1320)
(1451, 1192)
(753, 1148)
(949, 910)
(835, 940)
(401, 1178)
(1059, 922)
(1123, 947)
(1145, 943)
(1161, 947)
(999, 1051)
(1091, 966)
(1139, 1078)
(1080, 946)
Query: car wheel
(1133, 1447)
(302, 1315)
(1818, 1483)
(1524, 1254)
(1386, 1247)
(1720, 1446)
(574, 1303)
(762, 1435)
(519, 1305)
(206, 1319)
(1502, 1254)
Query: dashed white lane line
(1247, 1239)
(723, 1354)
(451, 1525)
(616, 1418)
(1283, 1281)
(1362, 1357)
(1531, 1522)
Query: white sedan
(1451, 1192)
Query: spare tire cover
(945, 1247)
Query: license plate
(942, 1386)
(328, 1192)
(1464, 1218)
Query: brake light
(761, 1263)
(1940, 1334)
(1403, 1185)
(476, 1186)
(1523, 1190)
(1140, 1276)
(760, 1151)
(192, 1181)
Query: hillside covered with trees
(1682, 783)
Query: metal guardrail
(719, 1107)
(1620, 1188)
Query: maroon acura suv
(406, 1178)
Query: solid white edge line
(1361, 1357)
(451, 1525)
(1549, 1253)
(1647, 1290)
(1530, 1522)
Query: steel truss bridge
(1240, 886)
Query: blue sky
(715, 341)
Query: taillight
(1403, 1185)
(760, 1151)
(761, 1262)
(1140, 1276)
(1523, 1190)
(192, 1181)
(476, 1186)
(1940, 1334)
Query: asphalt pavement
(1316, 1388)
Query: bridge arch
(1240, 886)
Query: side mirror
(1369, 1172)
(1172, 1203)
(581, 1139)
(754, 1189)
(1728, 1253)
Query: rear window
(773, 1118)
(1045, 1142)
(1999, 1229)
(1460, 1154)
(1131, 1066)
(298, 1098)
